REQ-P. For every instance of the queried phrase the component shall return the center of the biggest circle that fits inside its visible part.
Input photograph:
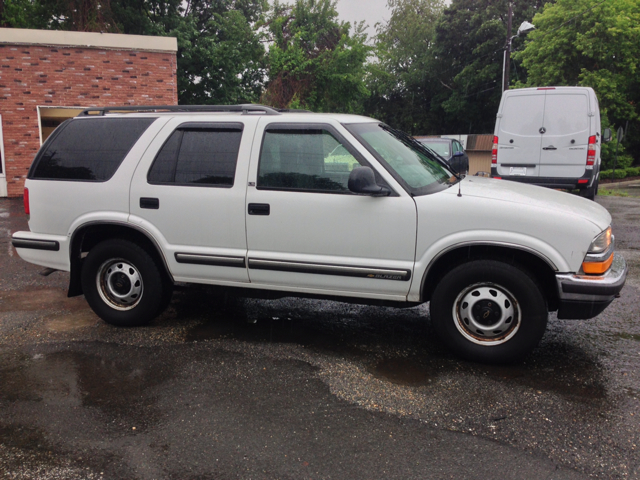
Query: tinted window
(198, 156)
(89, 149)
(309, 159)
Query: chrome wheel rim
(486, 314)
(119, 284)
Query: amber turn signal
(597, 267)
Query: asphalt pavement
(223, 387)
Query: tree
(596, 44)
(469, 48)
(313, 61)
(220, 54)
(401, 79)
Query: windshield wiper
(400, 135)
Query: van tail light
(591, 152)
(494, 150)
(26, 201)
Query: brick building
(48, 76)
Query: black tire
(123, 285)
(590, 193)
(471, 309)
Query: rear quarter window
(89, 150)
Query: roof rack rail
(293, 110)
(245, 109)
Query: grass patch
(611, 193)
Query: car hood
(534, 196)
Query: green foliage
(220, 54)
(620, 173)
(591, 43)
(469, 49)
(313, 60)
(401, 79)
(23, 14)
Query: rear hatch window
(89, 150)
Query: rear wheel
(489, 311)
(123, 285)
(590, 193)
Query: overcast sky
(371, 11)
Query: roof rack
(246, 109)
(293, 110)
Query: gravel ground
(224, 387)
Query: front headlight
(601, 243)
(600, 254)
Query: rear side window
(204, 154)
(89, 149)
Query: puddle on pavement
(221, 316)
(404, 371)
(628, 336)
(557, 368)
(71, 322)
(25, 438)
(118, 380)
(28, 300)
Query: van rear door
(565, 141)
(519, 134)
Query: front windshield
(441, 148)
(407, 162)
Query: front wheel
(489, 311)
(123, 285)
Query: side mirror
(606, 135)
(458, 154)
(362, 180)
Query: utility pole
(507, 52)
(525, 28)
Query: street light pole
(524, 28)
(507, 53)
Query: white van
(549, 136)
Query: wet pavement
(225, 387)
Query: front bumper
(585, 296)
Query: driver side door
(306, 231)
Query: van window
(522, 114)
(566, 114)
(89, 149)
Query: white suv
(132, 199)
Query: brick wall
(32, 76)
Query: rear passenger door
(189, 192)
